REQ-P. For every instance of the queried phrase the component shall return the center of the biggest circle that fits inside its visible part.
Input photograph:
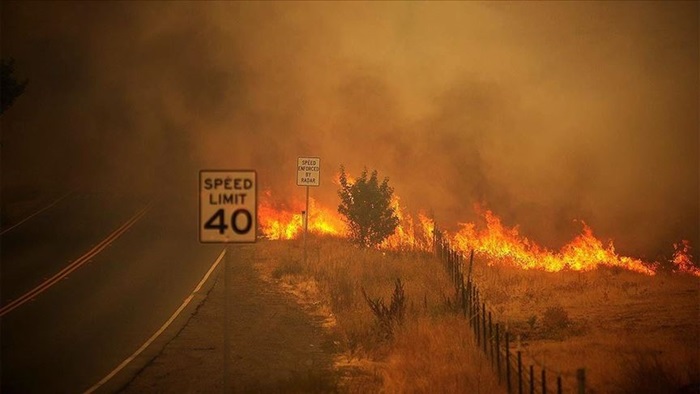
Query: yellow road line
(160, 330)
(36, 213)
(74, 265)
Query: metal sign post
(228, 213)
(227, 323)
(306, 221)
(308, 174)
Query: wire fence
(517, 370)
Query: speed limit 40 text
(225, 184)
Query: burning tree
(366, 205)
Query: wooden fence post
(435, 237)
(473, 309)
(581, 380)
(455, 267)
(544, 382)
(469, 302)
(491, 339)
(483, 327)
(508, 383)
(460, 266)
(447, 262)
(471, 263)
(443, 253)
(520, 372)
(463, 294)
(452, 267)
(498, 353)
(559, 384)
(477, 322)
(532, 379)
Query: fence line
(493, 338)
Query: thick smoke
(542, 112)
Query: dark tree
(366, 205)
(10, 88)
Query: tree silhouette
(366, 205)
(10, 88)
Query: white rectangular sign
(308, 171)
(227, 206)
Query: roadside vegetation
(619, 325)
(390, 314)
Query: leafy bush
(366, 205)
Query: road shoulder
(274, 344)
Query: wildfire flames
(682, 259)
(287, 222)
(280, 222)
(496, 242)
(500, 243)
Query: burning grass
(505, 245)
(489, 238)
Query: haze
(543, 112)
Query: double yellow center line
(30, 295)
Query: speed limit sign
(227, 206)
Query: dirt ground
(275, 346)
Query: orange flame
(408, 235)
(283, 222)
(682, 260)
(498, 243)
(278, 221)
(584, 253)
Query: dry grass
(437, 356)
(430, 352)
(601, 320)
(646, 373)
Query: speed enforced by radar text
(227, 206)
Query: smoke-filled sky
(543, 112)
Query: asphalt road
(75, 332)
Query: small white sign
(308, 171)
(227, 206)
